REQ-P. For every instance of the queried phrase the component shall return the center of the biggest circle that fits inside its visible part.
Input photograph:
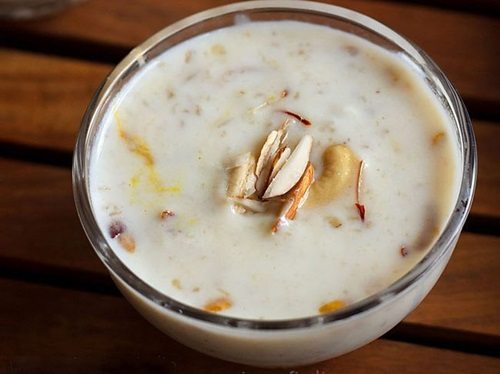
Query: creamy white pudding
(162, 165)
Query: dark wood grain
(38, 217)
(487, 198)
(490, 8)
(467, 296)
(41, 240)
(464, 45)
(57, 330)
(42, 100)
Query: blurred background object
(26, 9)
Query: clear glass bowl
(278, 342)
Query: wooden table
(59, 310)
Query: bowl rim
(135, 59)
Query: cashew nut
(339, 171)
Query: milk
(174, 130)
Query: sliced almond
(249, 188)
(265, 152)
(241, 160)
(255, 206)
(242, 177)
(279, 160)
(296, 198)
(264, 163)
(283, 134)
(284, 124)
(292, 170)
(300, 191)
(305, 196)
(282, 221)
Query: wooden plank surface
(484, 7)
(38, 218)
(487, 198)
(464, 45)
(467, 296)
(39, 230)
(42, 100)
(56, 330)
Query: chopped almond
(218, 305)
(332, 306)
(176, 283)
(334, 222)
(166, 213)
(295, 198)
(437, 137)
(218, 49)
(127, 242)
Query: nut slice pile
(278, 175)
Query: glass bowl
(273, 343)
